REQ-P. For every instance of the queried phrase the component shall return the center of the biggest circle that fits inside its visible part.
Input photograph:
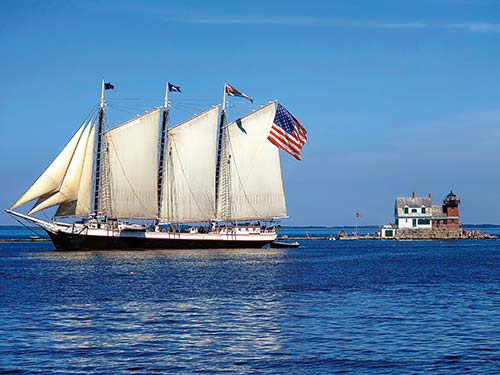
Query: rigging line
(91, 114)
(183, 110)
(131, 112)
(29, 228)
(135, 99)
(191, 109)
(105, 123)
(201, 101)
(189, 105)
(161, 99)
(128, 111)
(131, 103)
(45, 214)
(128, 106)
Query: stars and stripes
(173, 88)
(287, 133)
(231, 91)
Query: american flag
(358, 215)
(287, 133)
(231, 91)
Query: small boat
(281, 244)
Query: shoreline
(371, 238)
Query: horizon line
(472, 26)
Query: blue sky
(397, 96)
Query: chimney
(430, 195)
(413, 195)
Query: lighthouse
(450, 208)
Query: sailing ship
(202, 183)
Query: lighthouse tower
(450, 208)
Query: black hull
(68, 242)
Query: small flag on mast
(287, 133)
(108, 86)
(358, 215)
(173, 88)
(231, 91)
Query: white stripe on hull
(94, 232)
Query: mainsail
(69, 188)
(188, 191)
(131, 156)
(51, 179)
(251, 182)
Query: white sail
(50, 180)
(68, 191)
(131, 156)
(251, 185)
(81, 206)
(189, 188)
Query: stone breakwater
(405, 234)
(441, 234)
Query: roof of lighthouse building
(413, 201)
(451, 195)
(451, 198)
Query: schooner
(202, 183)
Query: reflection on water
(166, 253)
(368, 307)
(188, 327)
(176, 307)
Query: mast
(98, 152)
(220, 138)
(163, 136)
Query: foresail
(50, 180)
(130, 188)
(68, 190)
(82, 204)
(66, 209)
(189, 188)
(251, 183)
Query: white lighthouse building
(413, 212)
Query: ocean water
(364, 307)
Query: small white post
(224, 98)
(165, 103)
(102, 95)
